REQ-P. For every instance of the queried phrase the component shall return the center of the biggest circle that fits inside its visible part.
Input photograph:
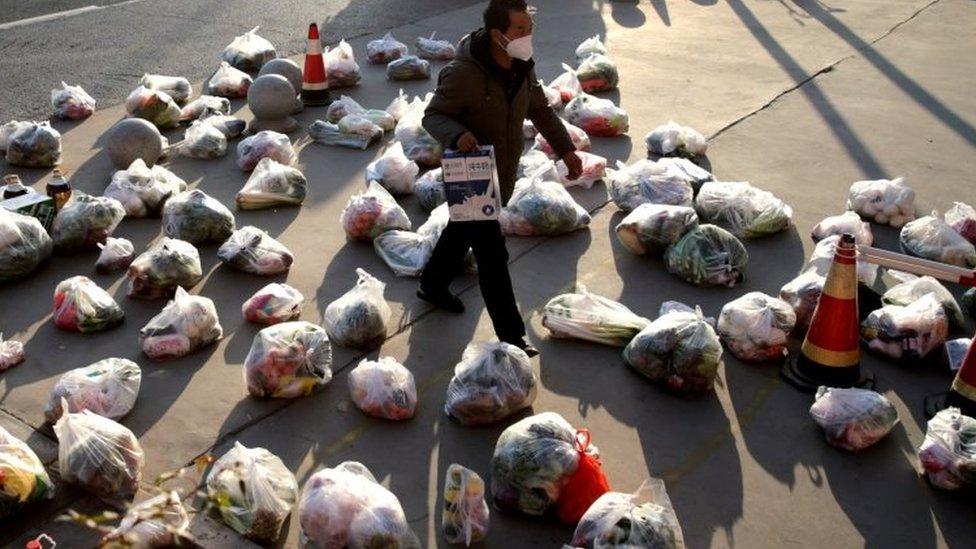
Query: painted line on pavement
(61, 15)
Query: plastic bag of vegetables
(597, 73)
(679, 351)
(429, 189)
(962, 218)
(265, 144)
(553, 98)
(597, 117)
(886, 201)
(354, 131)
(673, 139)
(230, 126)
(24, 245)
(72, 102)
(84, 221)
(399, 106)
(932, 238)
(116, 255)
(948, 453)
(409, 67)
(160, 521)
(590, 46)
(648, 182)
(142, 190)
(381, 118)
(431, 48)
(651, 228)
(252, 250)
(108, 388)
(272, 184)
(341, 66)
(579, 138)
(7, 130)
(371, 213)
(567, 84)
(418, 144)
(358, 318)
(910, 291)
(394, 171)
(33, 145)
(176, 87)
(153, 105)
(853, 419)
(383, 388)
(847, 222)
(187, 323)
(273, 304)
(344, 506)
(99, 455)
(288, 360)
(203, 141)
(249, 51)
(80, 305)
(158, 271)
(491, 382)
(695, 175)
(405, 252)
(196, 217)
(708, 256)
(338, 109)
(253, 491)
(909, 332)
(384, 50)
(466, 517)
(25, 481)
(587, 316)
(205, 104)
(744, 210)
(755, 327)
(539, 207)
(11, 353)
(229, 82)
(594, 168)
(645, 518)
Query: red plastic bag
(585, 486)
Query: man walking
(482, 98)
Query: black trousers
(486, 240)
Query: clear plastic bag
(34, 145)
(409, 67)
(160, 521)
(176, 87)
(153, 105)
(708, 256)
(7, 130)
(230, 126)
(429, 189)
(932, 238)
(645, 518)
(25, 481)
(853, 419)
(108, 388)
(229, 82)
(590, 46)
(371, 213)
(381, 118)
(186, 324)
(651, 228)
(744, 210)
(418, 144)
(948, 453)
(431, 48)
(99, 455)
(695, 175)
(354, 131)
(288, 360)
(399, 107)
(567, 84)
(755, 327)
(358, 318)
(802, 294)
(679, 351)
(383, 388)
(466, 517)
(553, 97)
(394, 171)
(203, 141)
(205, 104)
(405, 252)
(597, 117)
(338, 109)
(249, 51)
(648, 182)
(24, 245)
(591, 317)
(254, 251)
(84, 221)
(72, 102)
(116, 255)
(579, 138)
(344, 506)
(272, 184)
(11, 353)
(341, 67)
(962, 218)
(273, 304)
(158, 271)
(539, 207)
(384, 50)
(886, 201)
(80, 305)
(253, 491)
(823, 257)
(910, 291)
(673, 139)
(597, 73)
(491, 382)
(265, 144)
(910, 332)
(847, 222)
(196, 217)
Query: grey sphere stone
(133, 138)
(271, 97)
(287, 68)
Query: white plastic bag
(932, 238)
(153, 105)
(948, 453)
(160, 521)
(579, 138)
(384, 50)
(72, 102)
(203, 141)
(910, 332)
(288, 360)
(645, 518)
(553, 97)
(673, 139)
(594, 168)
(394, 171)
(399, 107)
(354, 131)
(249, 51)
(409, 67)
(418, 144)
(84, 221)
(591, 317)
(383, 388)
(116, 256)
(755, 327)
(141, 190)
(272, 184)
(647, 181)
(405, 252)
(265, 144)
(912, 290)
(651, 228)
(187, 323)
(273, 304)
(371, 213)
(695, 175)
(431, 48)
(465, 517)
(823, 257)
(196, 217)
(108, 388)
(24, 245)
(11, 353)
(339, 108)
(158, 271)
(358, 318)
(847, 222)
(34, 145)
(744, 210)
(176, 87)
(886, 201)
(539, 207)
(596, 116)
(341, 67)
(679, 351)
(230, 126)
(962, 218)
(80, 305)
(205, 104)
(251, 250)
(491, 382)
(589, 47)
(567, 84)
(802, 294)
(229, 82)
(853, 419)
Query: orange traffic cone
(315, 83)
(830, 354)
(962, 392)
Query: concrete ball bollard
(134, 138)
(271, 99)
(291, 71)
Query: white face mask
(520, 48)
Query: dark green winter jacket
(473, 95)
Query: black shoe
(526, 347)
(444, 300)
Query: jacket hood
(464, 47)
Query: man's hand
(573, 165)
(467, 142)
